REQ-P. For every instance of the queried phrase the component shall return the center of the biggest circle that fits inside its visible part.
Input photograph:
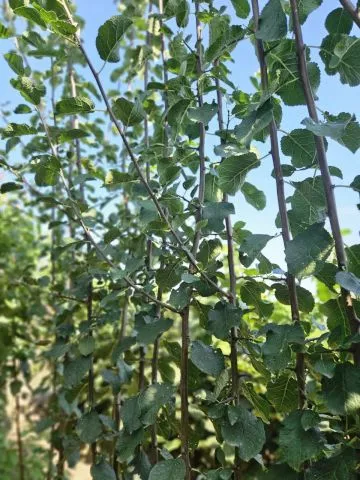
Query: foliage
(164, 342)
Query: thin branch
(352, 10)
(136, 164)
(325, 174)
(285, 227)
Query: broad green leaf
(47, 169)
(254, 196)
(276, 350)
(10, 187)
(5, 32)
(71, 134)
(127, 443)
(342, 392)
(251, 292)
(243, 430)
(283, 393)
(349, 281)
(17, 130)
(299, 144)
(215, 214)
(305, 7)
(254, 122)
(177, 112)
(232, 171)
(28, 89)
(337, 322)
(180, 297)
(86, 345)
(305, 298)
(292, 435)
(252, 245)
(129, 113)
(241, 7)
(308, 201)
(261, 406)
(225, 42)
(351, 134)
(109, 37)
(89, 427)
(346, 60)
(131, 414)
(22, 108)
(173, 469)
(353, 255)
(74, 106)
(272, 22)
(152, 399)
(75, 370)
(102, 471)
(31, 14)
(308, 250)
(169, 276)
(149, 328)
(340, 466)
(15, 62)
(206, 358)
(182, 13)
(333, 130)
(338, 21)
(203, 114)
(222, 318)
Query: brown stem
(353, 11)
(91, 387)
(20, 447)
(275, 153)
(184, 391)
(232, 279)
(325, 174)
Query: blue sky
(333, 97)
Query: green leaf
(102, 471)
(299, 144)
(74, 106)
(232, 171)
(243, 430)
(305, 299)
(71, 134)
(89, 427)
(129, 113)
(293, 435)
(109, 36)
(340, 466)
(251, 294)
(283, 393)
(349, 281)
(15, 62)
(305, 7)
(254, 123)
(127, 442)
(173, 469)
(86, 345)
(149, 328)
(272, 22)
(22, 108)
(10, 187)
(31, 14)
(333, 130)
(75, 370)
(254, 196)
(215, 214)
(5, 32)
(342, 392)
(206, 358)
(241, 7)
(17, 130)
(351, 134)
(177, 112)
(203, 114)
(308, 201)
(251, 246)
(224, 42)
(353, 255)
(152, 399)
(338, 21)
(131, 414)
(47, 169)
(276, 350)
(32, 92)
(222, 318)
(346, 60)
(262, 407)
(306, 253)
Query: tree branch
(353, 11)
(325, 174)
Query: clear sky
(333, 96)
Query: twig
(353, 11)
